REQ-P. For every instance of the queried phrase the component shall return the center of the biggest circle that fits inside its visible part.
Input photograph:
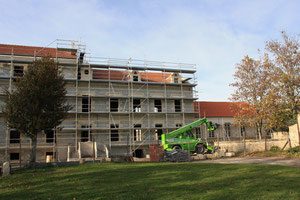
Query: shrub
(294, 149)
(275, 148)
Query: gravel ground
(264, 160)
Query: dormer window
(135, 76)
(176, 78)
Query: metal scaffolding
(93, 83)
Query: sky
(213, 34)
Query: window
(136, 105)
(135, 76)
(18, 71)
(50, 136)
(50, 154)
(86, 71)
(211, 134)
(178, 125)
(138, 153)
(243, 131)
(198, 132)
(114, 105)
(114, 133)
(158, 132)
(78, 75)
(86, 104)
(84, 136)
(227, 129)
(176, 78)
(157, 106)
(137, 132)
(14, 156)
(14, 136)
(177, 105)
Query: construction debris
(176, 156)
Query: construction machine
(183, 138)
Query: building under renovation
(120, 106)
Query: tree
(38, 102)
(251, 83)
(270, 86)
(284, 92)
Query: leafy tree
(38, 102)
(251, 83)
(270, 86)
(284, 91)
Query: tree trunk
(33, 151)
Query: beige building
(221, 114)
(120, 106)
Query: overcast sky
(213, 34)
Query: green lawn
(153, 181)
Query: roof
(125, 76)
(213, 109)
(8, 49)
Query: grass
(153, 181)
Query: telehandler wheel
(177, 147)
(200, 149)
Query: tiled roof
(110, 75)
(8, 49)
(125, 76)
(213, 109)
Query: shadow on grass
(154, 181)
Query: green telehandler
(184, 139)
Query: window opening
(177, 105)
(136, 105)
(137, 132)
(138, 153)
(157, 106)
(227, 129)
(86, 105)
(14, 136)
(114, 105)
(211, 134)
(14, 156)
(158, 132)
(18, 71)
(135, 76)
(243, 131)
(50, 136)
(114, 133)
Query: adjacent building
(221, 114)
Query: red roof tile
(114, 75)
(8, 49)
(125, 76)
(213, 109)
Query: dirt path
(264, 160)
